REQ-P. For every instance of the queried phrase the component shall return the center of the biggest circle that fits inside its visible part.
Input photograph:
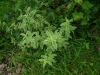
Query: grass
(82, 56)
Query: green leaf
(77, 15)
(87, 5)
(91, 64)
(70, 6)
(67, 28)
(47, 59)
(22, 34)
(78, 1)
(84, 21)
(34, 44)
(54, 44)
(51, 40)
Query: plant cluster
(33, 31)
(50, 29)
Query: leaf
(54, 44)
(84, 22)
(20, 17)
(18, 5)
(49, 33)
(91, 64)
(66, 28)
(86, 44)
(87, 5)
(78, 1)
(70, 6)
(51, 40)
(77, 15)
(52, 15)
(47, 59)
(34, 44)
(22, 34)
(28, 9)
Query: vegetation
(56, 37)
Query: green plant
(81, 8)
(33, 31)
(39, 32)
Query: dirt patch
(4, 70)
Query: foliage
(46, 32)
(29, 33)
(4, 10)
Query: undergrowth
(54, 37)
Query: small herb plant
(33, 31)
